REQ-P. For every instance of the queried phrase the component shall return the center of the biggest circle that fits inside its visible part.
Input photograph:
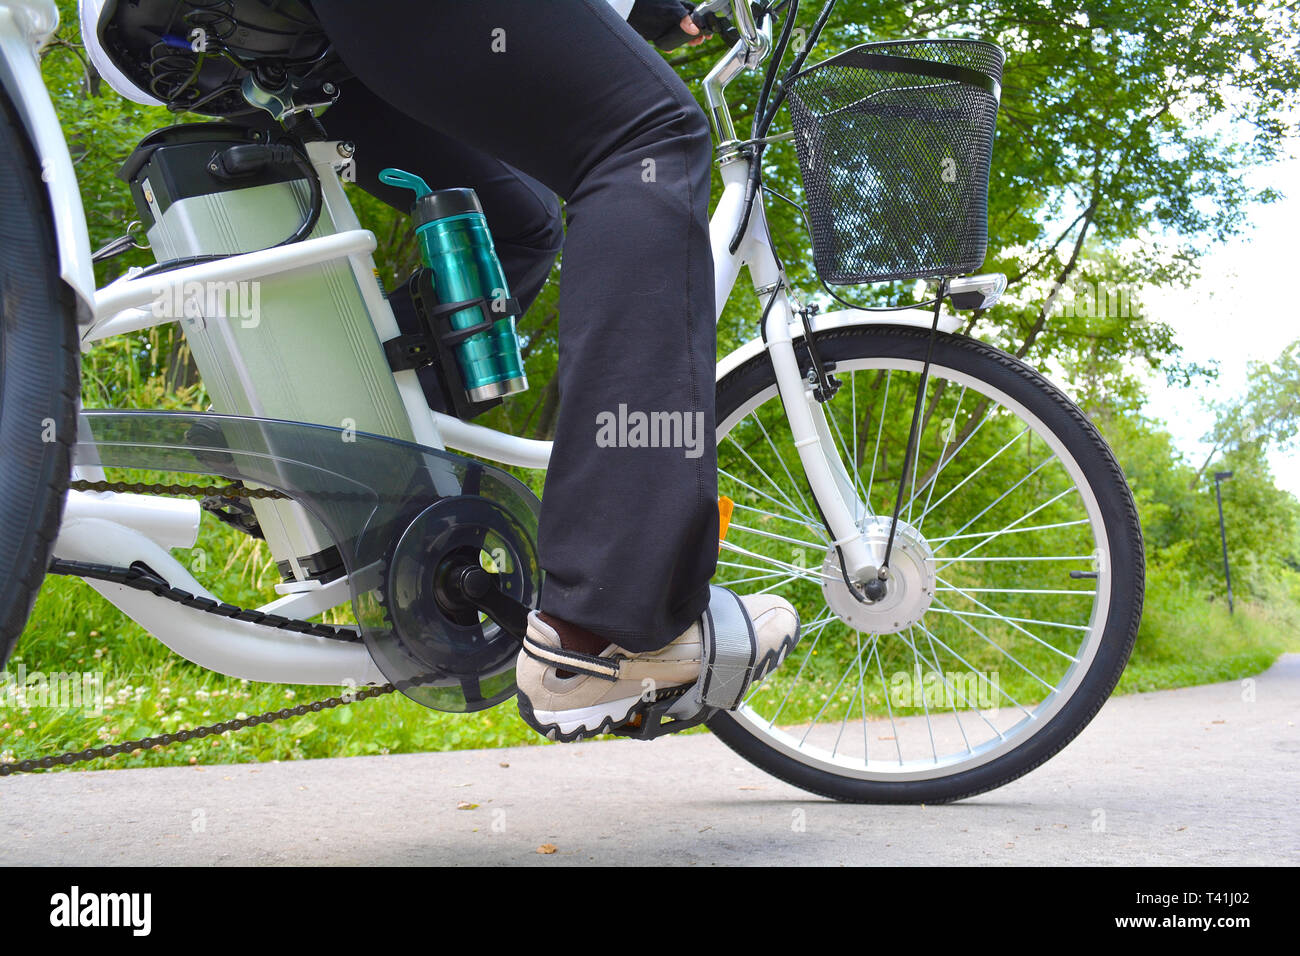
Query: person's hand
(661, 22)
(688, 25)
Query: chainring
(397, 512)
(431, 629)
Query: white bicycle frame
(119, 529)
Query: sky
(1244, 306)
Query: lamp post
(1219, 477)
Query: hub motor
(909, 588)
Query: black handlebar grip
(677, 36)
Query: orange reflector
(725, 507)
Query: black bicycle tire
(1103, 474)
(39, 380)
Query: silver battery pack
(299, 345)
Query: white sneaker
(608, 690)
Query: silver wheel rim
(884, 759)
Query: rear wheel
(1016, 585)
(38, 380)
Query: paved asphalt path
(1200, 776)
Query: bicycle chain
(163, 740)
(196, 491)
(141, 579)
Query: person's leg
(569, 94)
(523, 215)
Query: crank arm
(479, 589)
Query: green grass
(1185, 640)
(149, 690)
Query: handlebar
(706, 17)
(754, 45)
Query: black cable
(760, 109)
(771, 301)
(878, 308)
(797, 63)
(916, 418)
(773, 66)
(765, 113)
(302, 232)
(830, 292)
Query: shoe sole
(567, 726)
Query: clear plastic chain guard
(394, 510)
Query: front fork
(833, 489)
(835, 493)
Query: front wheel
(1016, 578)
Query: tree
(1125, 130)
(1268, 414)
(1124, 133)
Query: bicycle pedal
(654, 720)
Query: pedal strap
(579, 663)
(730, 650)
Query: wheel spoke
(984, 464)
(807, 574)
(803, 518)
(971, 668)
(946, 683)
(740, 448)
(1012, 591)
(798, 490)
(806, 658)
(1000, 498)
(1002, 617)
(773, 516)
(889, 707)
(848, 711)
(776, 537)
(1018, 620)
(993, 535)
(1037, 527)
(1019, 558)
(1006, 653)
(880, 430)
(925, 706)
(971, 705)
(933, 481)
(857, 484)
(829, 697)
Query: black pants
(518, 99)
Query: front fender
(24, 26)
(839, 319)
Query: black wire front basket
(895, 141)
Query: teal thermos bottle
(457, 248)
